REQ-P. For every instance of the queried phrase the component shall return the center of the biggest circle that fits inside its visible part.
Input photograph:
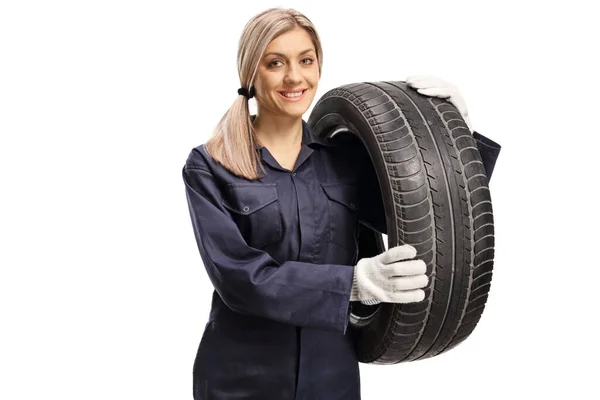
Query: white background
(102, 291)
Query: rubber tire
(436, 198)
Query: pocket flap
(343, 193)
(246, 199)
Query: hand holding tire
(391, 277)
(436, 87)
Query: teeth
(293, 94)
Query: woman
(280, 250)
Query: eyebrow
(283, 55)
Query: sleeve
(372, 213)
(249, 280)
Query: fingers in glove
(452, 96)
(410, 282)
(406, 296)
(397, 253)
(443, 93)
(405, 268)
(424, 81)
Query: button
(246, 208)
(293, 174)
(352, 205)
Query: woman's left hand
(436, 87)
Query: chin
(297, 113)
(293, 109)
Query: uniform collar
(309, 138)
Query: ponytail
(234, 144)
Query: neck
(277, 131)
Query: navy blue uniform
(280, 252)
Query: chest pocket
(256, 211)
(343, 203)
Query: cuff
(354, 292)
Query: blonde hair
(233, 143)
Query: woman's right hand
(390, 277)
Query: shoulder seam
(195, 167)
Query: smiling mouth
(293, 95)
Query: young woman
(279, 251)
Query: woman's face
(288, 75)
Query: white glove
(436, 87)
(387, 278)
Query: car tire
(436, 197)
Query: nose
(293, 74)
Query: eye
(273, 63)
(308, 61)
